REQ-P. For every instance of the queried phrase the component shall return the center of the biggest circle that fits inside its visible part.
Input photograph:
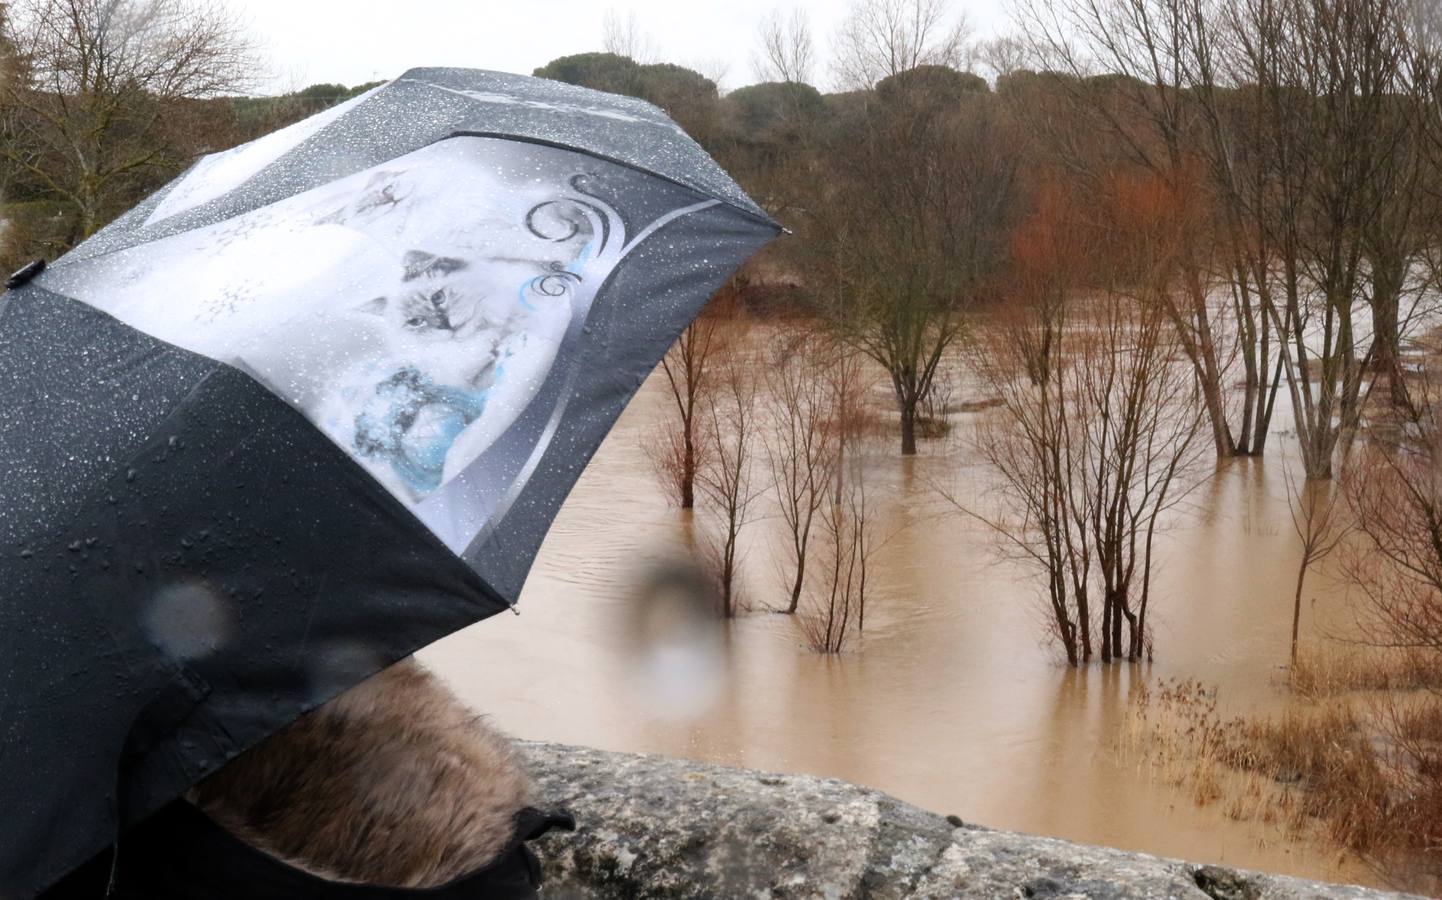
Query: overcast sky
(353, 41)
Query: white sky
(353, 41)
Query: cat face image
(434, 304)
(452, 327)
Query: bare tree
(726, 479)
(1092, 452)
(678, 450)
(839, 602)
(1393, 488)
(1003, 55)
(1318, 518)
(1049, 257)
(1394, 493)
(784, 49)
(104, 83)
(848, 382)
(1089, 464)
(1428, 77)
(841, 587)
(908, 230)
(880, 38)
(1155, 116)
(623, 36)
(803, 447)
(1323, 87)
(716, 69)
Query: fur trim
(392, 783)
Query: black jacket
(180, 854)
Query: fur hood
(393, 783)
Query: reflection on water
(951, 701)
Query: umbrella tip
(26, 272)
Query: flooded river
(952, 700)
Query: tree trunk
(1134, 638)
(728, 563)
(1068, 640)
(1217, 414)
(908, 428)
(1317, 451)
(1386, 337)
(1297, 609)
(797, 584)
(1250, 397)
(1106, 629)
(1263, 424)
(1116, 603)
(688, 470)
(1201, 348)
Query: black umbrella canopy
(311, 407)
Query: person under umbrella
(304, 411)
(392, 790)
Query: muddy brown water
(952, 700)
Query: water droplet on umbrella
(188, 620)
(677, 664)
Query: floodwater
(952, 700)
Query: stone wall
(653, 827)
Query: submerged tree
(840, 586)
(1155, 119)
(1318, 519)
(677, 450)
(1328, 100)
(1294, 132)
(837, 609)
(908, 232)
(1094, 450)
(803, 446)
(726, 478)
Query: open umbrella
(309, 408)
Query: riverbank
(1353, 763)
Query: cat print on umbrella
(410, 420)
(412, 340)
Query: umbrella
(311, 407)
